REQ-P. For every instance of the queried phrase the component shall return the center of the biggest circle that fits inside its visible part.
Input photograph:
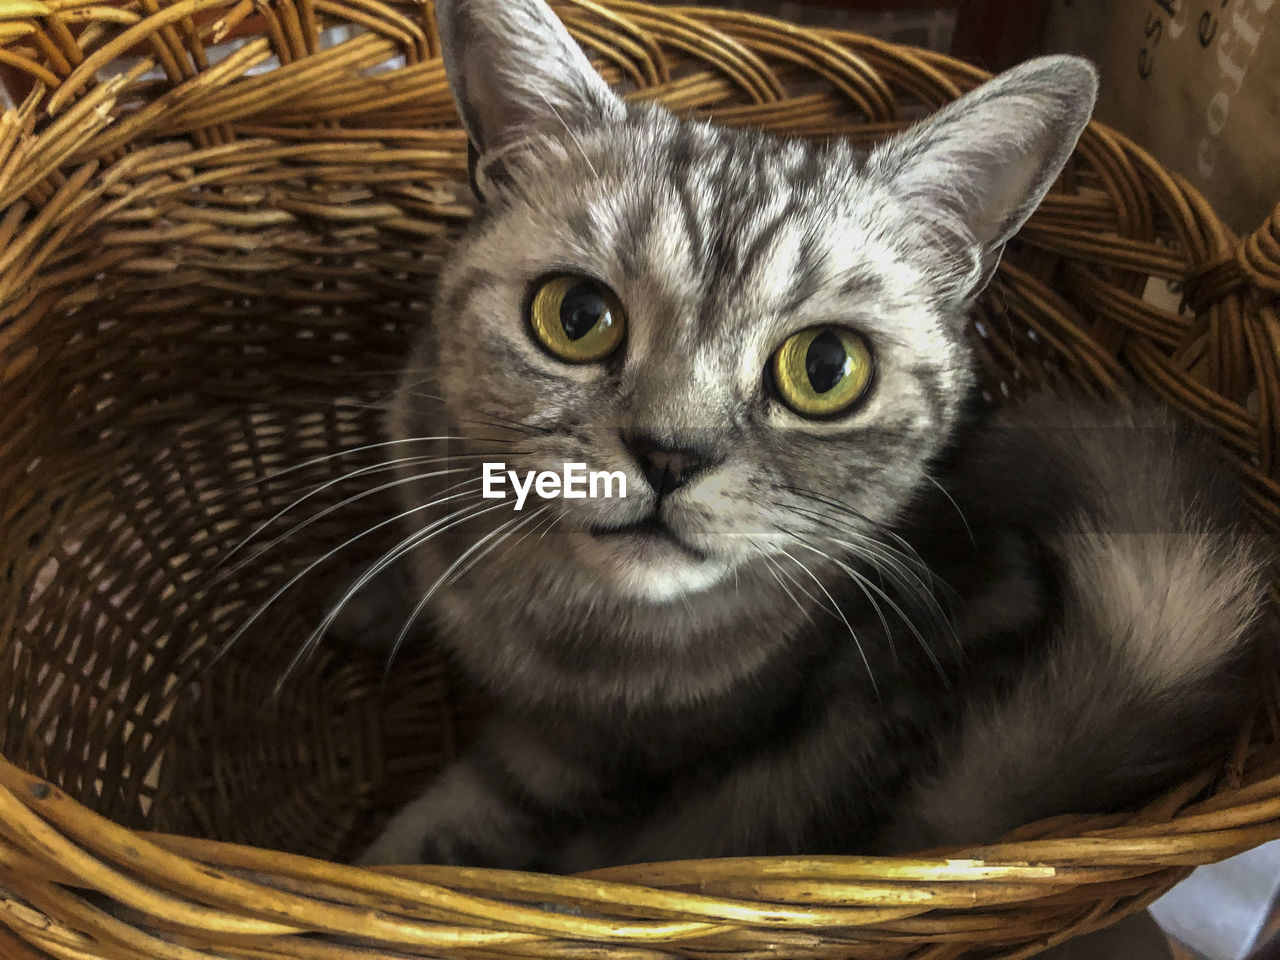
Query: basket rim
(207, 889)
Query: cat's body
(863, 627)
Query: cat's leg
(508, 802)
(461, 819)
(810, 790)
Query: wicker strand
(219, 223)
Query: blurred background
(1194, 82)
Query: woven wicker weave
(217, 223)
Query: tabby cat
(844, 606)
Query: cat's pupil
(581, 310)
(826, 362)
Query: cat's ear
(971, 175)
(514, 70)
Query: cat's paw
(418, 835)
(400, 847)
(403, 840)
(455, 823)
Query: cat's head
(765, 336)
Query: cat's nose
(667, 467)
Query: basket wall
(219, 222)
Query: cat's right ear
(968, 177)
(514, 71)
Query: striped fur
(878, 623)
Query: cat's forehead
(718, 230)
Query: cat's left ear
(514, 71)
(970, 176)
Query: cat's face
(717, 249)
(765, 337)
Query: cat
(844, 607)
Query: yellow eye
(822, 372)
(577, 319)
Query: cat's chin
(643, 567)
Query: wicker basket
(218, 219)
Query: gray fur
(877, 621)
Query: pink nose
(666, 467)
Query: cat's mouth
(651, 529)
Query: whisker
(268, 478)
(491, 419)
(926, 598)
(484, 553)
(896, 567)
(774, 570)
(852, 633)
(244, 627)
(426, 598)
(316, 491)
(867, 587)
(844, 508)
(296, 528)
(435, 376)
(381, 372)
(889, 562)
(550, 527)
(940, 620)
(405, 546)
(540, 526)
(862, 584)
(572, 135)
(881, 558)
(959, 512)
(497, 423)
(359, 405)
(820, 604)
